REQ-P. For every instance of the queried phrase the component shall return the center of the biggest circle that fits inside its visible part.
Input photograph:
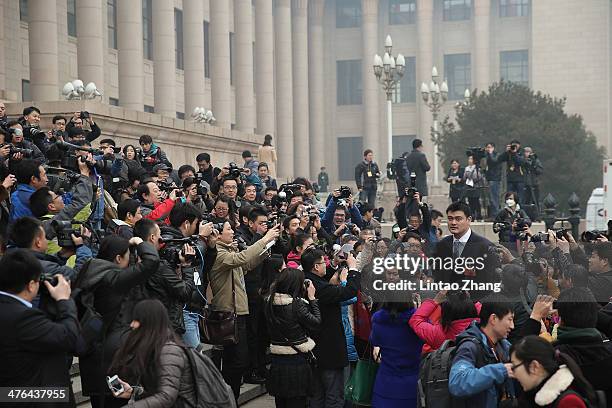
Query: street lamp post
(434, 96)
(388, 71)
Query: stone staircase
(248, 392)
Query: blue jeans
(192, 332)
(494, 198)
(328, 389)
(369, 195)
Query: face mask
(510, 202)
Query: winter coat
(176, 387)
(159, 211)
(433, 333)
(294, 260)
(110, 285)
(556, 391)
(508, 215)
(154, 157)
(455, 190)
(417, 162)
(478, 387)
(366, 175)
(289, 321)
(400, 350)
(348, 329)
(20, 202)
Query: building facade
(301, 70)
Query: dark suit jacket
(476, 247)
(33, 348)
(417, 162)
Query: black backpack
(432, 386)
(210, 388)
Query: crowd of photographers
(121, 258)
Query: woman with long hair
(267, 154)
(455, 179)
(110, 279)
(443, 318)
(548, 377)
(290, 318)
(400, 353)
(299, 243)
(151, 365)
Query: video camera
(477, 152)
(27, 153)
(169, 186)
(286, 191)
(234, 170)
(174, 248)
(64, 231)
(201, 184)
(206, 218)
(345, 193)
(544, 237)
(412, 190)
(70, 161)
(61, 180)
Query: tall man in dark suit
(417, 162)
(33, 348)
(474, 258)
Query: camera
(242, 245)
(14, 150)
(592, 235)
(532, 263)
(521, 224)
(174, 248)
(273, 220)
(201, 184)
(70, 161)
(206, 218)
(501, 226)
(64, 231)
(286, 191)
(345, 193)
(169, 186)
(47, 277)
(61, 180)
(234, 170)
(84, 115)
(477, 152)
(412, 190)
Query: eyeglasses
(515, 366)
(221, 209)
(231, 188)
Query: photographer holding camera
(515, 171)
(231, 175)
(151, 154)
(339, 212)
(512, 220)
(153, 207)
(534, 169)
(83, 135)
(19, 147)
(30, 177)
(366, 176)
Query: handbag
(358, 388)
(218, 327)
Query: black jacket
(330, 348)
(111, 286)
(173, 289)
(291, 319)
(252, 280)
(90, 135)
(33, 348)
(506, 216)
(366, 175)
(417, 162)
(209, 174)
(515, 170)
(533, 168)
(494, 167)
(601, 286)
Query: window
(457, 68)
(348, 13)
(514, 66)
(113, 101)
(349, 85)
(406, 88)
(206, 49)
(72, 28)
(178, 38)
(350, 151)
(180, 115)
(513, 8)
(402, 144)
(232, 59)
(456, 10)
(23, 10)
(25, 91)
(111, 23)
(149, 109)
(147, 29)
(402, 11)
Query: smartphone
(115, 386)
(307, 283)
(347, 248)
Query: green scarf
(569, 335)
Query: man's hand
(311, 291)
(172, 195)
(211, 240)
(5, 150)
(564, 245)
(272, 234)
(247, 171)
(509, 370)
(187, 251)
(84, 168)
(417, 198)
(335, 193)
(18, 156)
(350, 201)
(351, 262)
(542, 307)
(135, 241)
(205, 229)
(402, 234)
(61, 291)
(9, 181)
(343, 274)
(317, 223)
(339, 230)
(224, 172)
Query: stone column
(42, 44)
(131, 60)
(193, 46)
(90, 46)
(164, 78)
(284, 89)
(2, 64)
(317, 85)
(482, 63)
(371, 88)
(245, 95)
(301, 133)
(264, 66)
(220, 63)
(424, 65)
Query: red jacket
(429, 328)
(161, 209)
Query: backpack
(432, 386)
(210, 388)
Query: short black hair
(39, 202)
(185, 168)
(256, 212)
(23, 231)
(143, 188)
(182, 212)
(145, 139)
(497, 305)
(436, 214)
(603, 250)
(459, 206)
(270, 188)
(577, 308)
(366, 152)
(490, 143)
(262, 164)
(127, 207)
(18, 267)
(108, 141)
(310, 257)
(247, 185)
(143, 228)
(417, 143)
(25, 170)
(203, 157)
(58, 117)
(30, 109)
(246, 154)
